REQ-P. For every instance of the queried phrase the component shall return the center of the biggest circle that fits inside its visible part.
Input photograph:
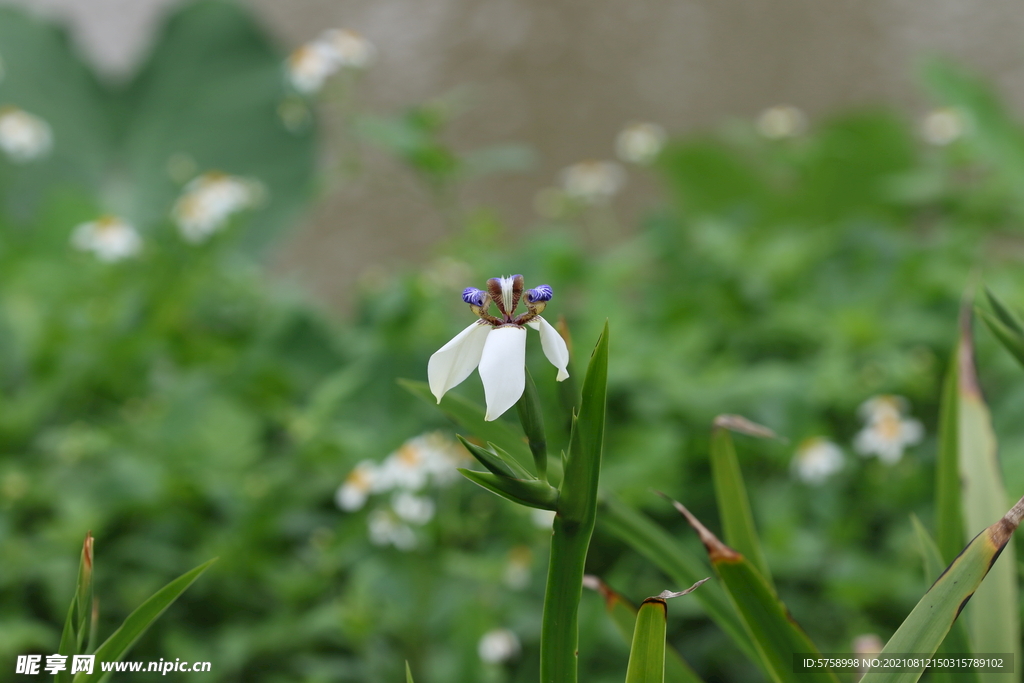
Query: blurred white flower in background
(943, 125)
(816, 459)
(386, 528)
(640, 143)
(310, 65)
(207, 202)
(782, 121)
(593, 182)
(412, 508)
(358, 486)
(23, 136)
(430, 457)
(517, 571)
(499, 645)
(886, 431)
(108, 237)
(350, 49)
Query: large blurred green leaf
(211, 91)
(44, 76)
(207, 99)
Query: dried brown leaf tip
(717, 551)
(741, 425)
(1004, 528)
(87, 551)
(595, 584)
(968, 373)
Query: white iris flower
(497, 344)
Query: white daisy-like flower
(108, 237)
(411, 508)
(24, 137)
(816, 459)
(887, 432)
(385, 528)
(351, 49)
(499, 645)
(942, 126)
(640, 143)
(782, 121)
(426, 456)
(593, 182)
(358, 486)
(497, 345)
(207, 202)
(310, 65)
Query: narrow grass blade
(531, 417)
(993, 618)
(1011, 340)
(1005, 315)
(83, 595)
(408, 673)
(956, 641)
(115, 647)
(578, 502)
(773, 631)
(731, 494)
(647, 653)
(949, 521)
(927, 625)
(623, 615)
(75, 636)
(529, 492)
(470, 417)
(640, 533)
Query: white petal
(554, 346)
(503, 369)
(454, 361)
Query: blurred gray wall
(564, 76)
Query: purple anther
(473, 296)
(539, 293)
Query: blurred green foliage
(183, 406)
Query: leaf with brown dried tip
(927, 625)
(993, 619)
(623, 614)
(773, 631)
(731, 493)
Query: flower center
(506, 293)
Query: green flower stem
(560, 630)
(574, 525)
